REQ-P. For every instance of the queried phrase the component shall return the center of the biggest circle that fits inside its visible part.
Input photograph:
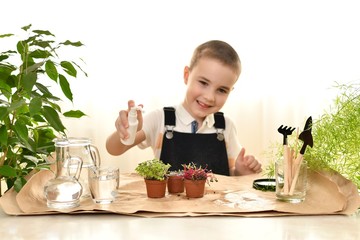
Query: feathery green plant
(336, 136)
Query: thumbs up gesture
(246, 164)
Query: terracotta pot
(155, 188)
(194, 188)
(175, 184)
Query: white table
(113, 226)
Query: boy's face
(208, 86)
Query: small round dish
(265, 184)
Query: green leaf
(3, 136)
(47, 94)
(26, 27)
(6, 70)
(85, 73)
(3, 57)
(34, 67)
(22, 111)
(19, 183)
(30, 39)
(43, 32)
(29, 81)
(43, 167)
(53, 118)
(25, 119)
(35, 106)
(31, 158)
(5, 89)
(16, 105)
(10, 52)
(74, 114)
(51, 70)
(7, 171)
(45, 137)
(75, 44)
(69, 68)
(40, 54)
(21, 130)
(38, 118)
(65, 87)
(21, 47)
(6, 35)
(3, 113)
(53, 105)
(43, 89)
(42, 44)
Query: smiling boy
(195, 130)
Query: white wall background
(292, 53)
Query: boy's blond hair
(220, 51)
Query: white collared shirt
(184, 120)
(153, 127)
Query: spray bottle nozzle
(135, 108)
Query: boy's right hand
(122, 123)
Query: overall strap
(169, 116)
(219, 120)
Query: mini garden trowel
(307, 138)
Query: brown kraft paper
(327, 193)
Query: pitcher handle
(79, 164)
(95, 155)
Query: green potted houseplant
(195, 178)
(30, 116)
(154, 172)
(336, 135)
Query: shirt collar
(209, 121)
(185, 117)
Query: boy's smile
(208, 86)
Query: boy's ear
(186, 74)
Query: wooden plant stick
(298, 163)
(296, 151)
(291, 165)
(286, 169)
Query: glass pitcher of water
(64, 191)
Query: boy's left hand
(246, 164)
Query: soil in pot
(194, 188)
(155, 188)
(175, 184)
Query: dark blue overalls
(205, 149)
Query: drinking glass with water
(103, 184)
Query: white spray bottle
(133, 124)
